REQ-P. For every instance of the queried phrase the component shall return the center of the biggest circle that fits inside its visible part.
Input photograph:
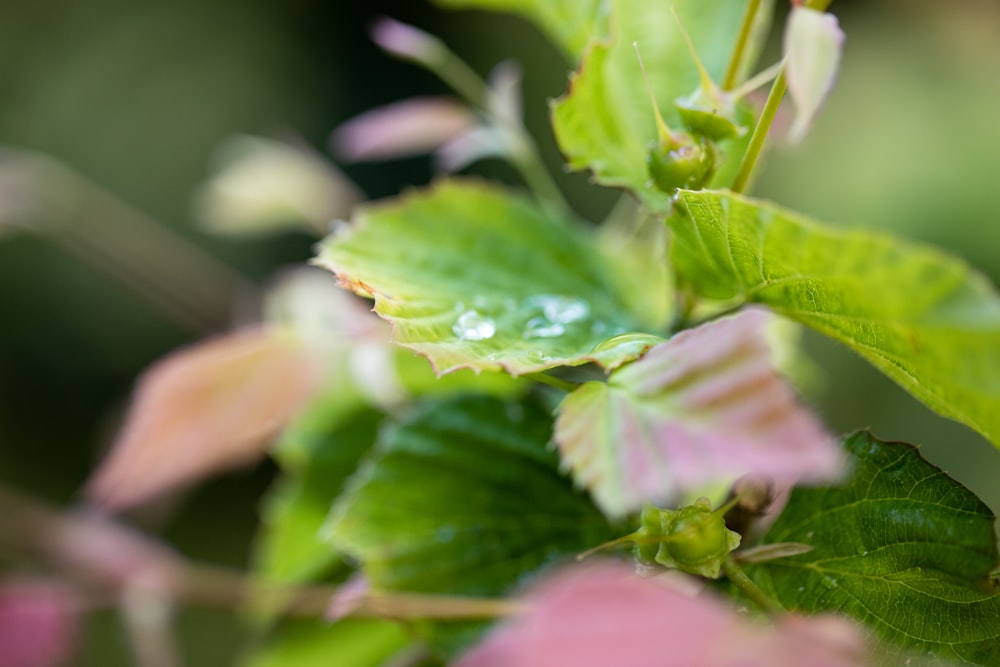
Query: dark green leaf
(466, 498)
(901, 547)
(921, 316)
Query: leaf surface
(466, 498)
(317, 455)
(316, 643)
(922, 317)
(605, 122)
(208, 407)
(706, 406)
(473, 277)
(600, 615)
(901, 547)
(570, 23)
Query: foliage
(530, 387)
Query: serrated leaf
(570, 23)
(466, 498)
(921, 316)
(901, 547)
(475, 277)
(706, 406)
(318, 453)
(605, 123)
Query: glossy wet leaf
(472, 276)
(706, 406)
(570, 23)
(901, 547)
(921, 316)
(605, 122)
(466, 498)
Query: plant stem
(760, 132)
(545, 378)
(522, 150)
(739, 579)
(739, 50)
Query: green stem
(739, 579)
(739, 50)
(523, 153)
(760, 132)
(545, 378)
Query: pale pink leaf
(206, 408)
(411, 127)
(38, 624)
(602, 614)
(704, 407)
(813, 45)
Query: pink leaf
(205, 408)
(411, 127)
(705, 406)
(602, 614)
(38, 624)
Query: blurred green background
(135, 97)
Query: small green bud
(682, 162)
(712, 118)
(695, 540)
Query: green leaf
(921, 316)
(318, 453)
(466, 498)
(605, 123)
(569, 23)
(316, 643)
(474, 277)
(901, 546)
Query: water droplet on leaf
(473, 325)
(540, 327)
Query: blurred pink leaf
(208, 407)
(705, 406)
(38, 624)
(411, 127)
(602, 614)
(813, 44)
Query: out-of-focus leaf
(208, 407)
(474, 277)
(605, 122)
(901, 547)
(38, 624)
(813, 46)
(600, 615)
(317, 454)
(315, 643)
(921, 316)
(411, 127)
(706, 406)
(261, 186)
(466, 498)
(571, 24)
